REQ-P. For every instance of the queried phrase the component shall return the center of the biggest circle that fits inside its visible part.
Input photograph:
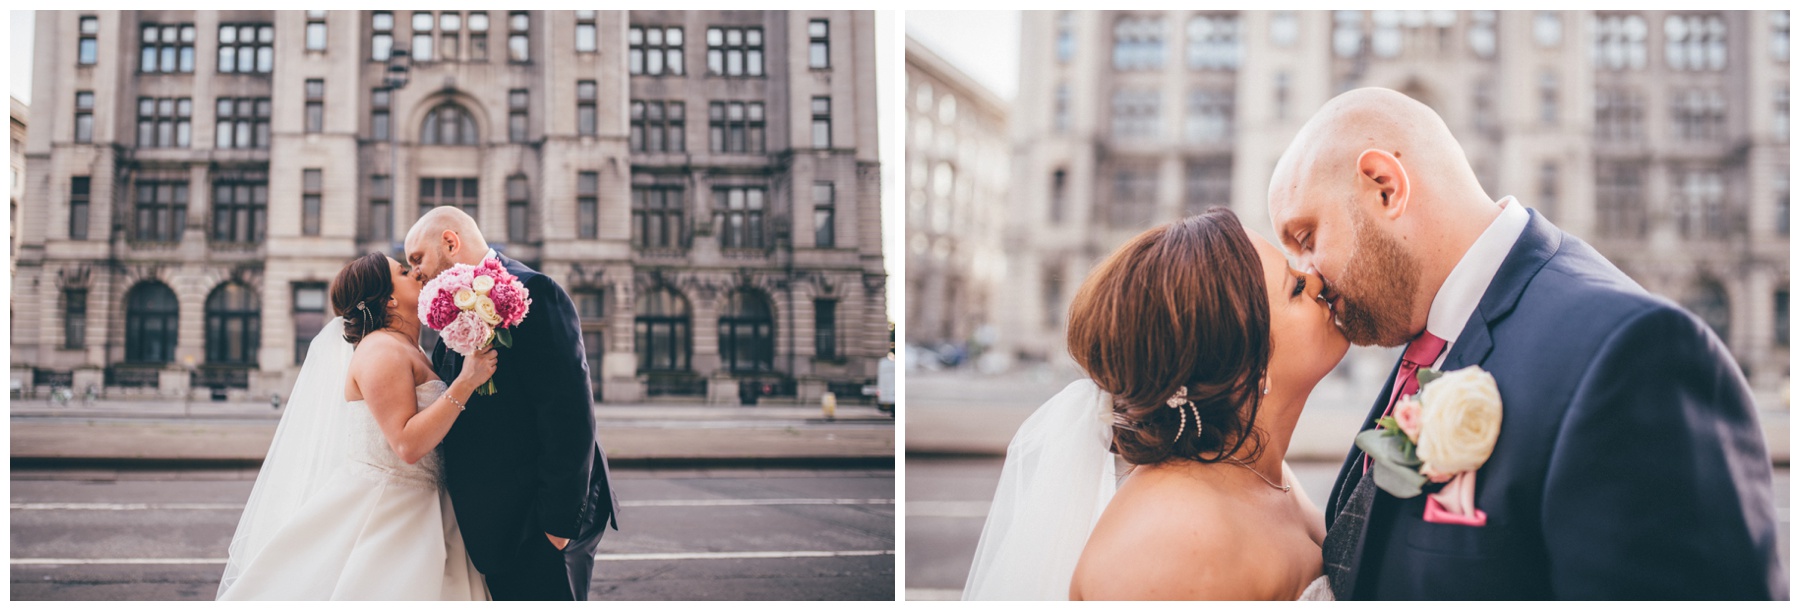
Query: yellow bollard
(829, 402)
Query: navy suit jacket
(525, 461)
(1630, 463)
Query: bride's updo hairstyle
(1181, 305)
(365, 281)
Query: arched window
(448, 125)
(747, 333)
(1710, 303)
(151, 314)
(233, 325)
(664, 331)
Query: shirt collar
(491, 255)
(1462, 290)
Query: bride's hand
(478, 367)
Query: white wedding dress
(1058, 477)
(367, 526)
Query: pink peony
(511, 300)
(466, 334)
(1406, 412)
(440, 311)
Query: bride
(347, 504)
(1201, 346)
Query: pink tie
(1422, 352)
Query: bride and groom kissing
(1577, 438)
(389, 478)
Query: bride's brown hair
(365, 282)
(1181, 305)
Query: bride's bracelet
(452, 399)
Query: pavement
(176, 433)
(684, 534)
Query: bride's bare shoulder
(1169, 535)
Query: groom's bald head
(444, 236)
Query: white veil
(310, 445)
(1059, 475)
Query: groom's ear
(1384, 179)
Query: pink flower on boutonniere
(1406, 413)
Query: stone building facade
(1659, 137)
(16, 184)
(958, 160)
(704, 184)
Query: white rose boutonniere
(1448, 428)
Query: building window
(1620, 41)
(1546, 28)
(1386, 39)
(734, 51)
(448, 125)
(1210, 115)
(1053, 299)
(312, 187)
(380, 107)
(586, 34)
(655, 50)
(1347, 33)
(518, 37)
(167, 48)
(1698, 114)
(161, 211)
(1620, 195)
(422, 41)
(664, 337)
(1700, 203)
(824, 215)
(84, 116)
(240, 211)
(1780, 120)
(1284, 29)
(88, 50)
(1282, 94)
(1547, 97)
(1065, 37)
(818, 33)
(737, 127)
(246, 48)
(1694, 42)
(742, 209)
(243, 123)
(1208, 184)
(478, 32)
(1778, 47)
(74, 319)
(825, 344)
(233, 325)
(381, 43)
(78, 207)
(463, 193)
(657, 217)
(518, 210)
(1710, 303)
(450, 36)
(1618, 115)
(1781, 317)
(315, 31)
(381, 208)
(1062, 108)
(1136, 114)
(1547, 191)
(518, 103)
(821, 122)
(309, 316)
(315, 106)
(587, 205)
(1133, 196)
(1780, 183)
(587, 117)
(658, 126)
(152, 316)
(1059, 195)
(164, 122)
(1212, 42)
(1137, 43)
(747, 333)
(590, 308)
(1483, 39)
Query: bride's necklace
(1281, 487)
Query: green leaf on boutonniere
(1427, 376)
(1396, 467)
(1389, 425)
(503, 337)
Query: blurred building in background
(958, 160)
(1659, 137)
(20, 113)
(704, 184)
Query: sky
(983, 44)
(889, 63)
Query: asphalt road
(685, 535)
(947, 502)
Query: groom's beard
(1376, 289)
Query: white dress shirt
(490, 254)
(1463, 289)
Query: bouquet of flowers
(471, 307)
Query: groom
(524, 471)
(1629, 463)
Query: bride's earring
(1266, 383)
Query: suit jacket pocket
(1454, 539)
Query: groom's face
(427, 256)
(1370, 278)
